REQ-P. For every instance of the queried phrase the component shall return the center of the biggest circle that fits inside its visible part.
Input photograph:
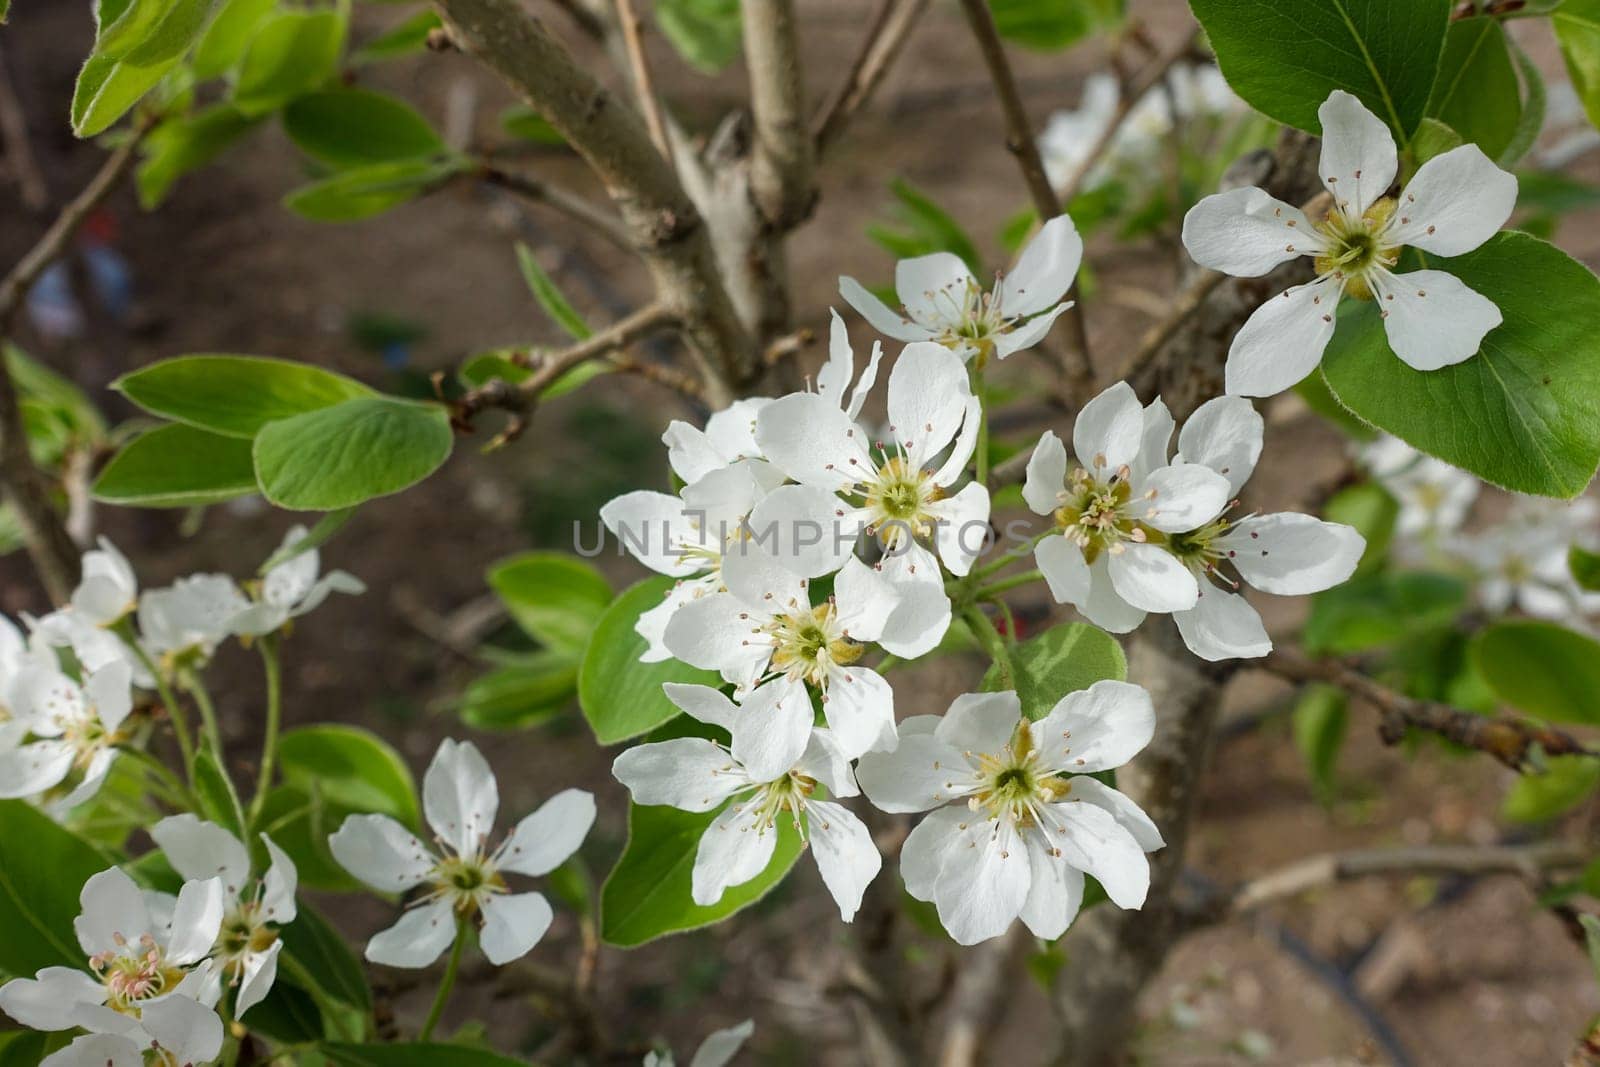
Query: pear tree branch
(782, 176)
(886, 35)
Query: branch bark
(782, 169)
(644, 86)
(667, 229)
(568, 203)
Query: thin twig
(886, 35)
(1510, 740)
(643, 85)
(575, 207)
(18, 151)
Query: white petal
(922, 855)
(512, 925)
(772, 729)
(960, 454)
(108, 691)
(1156, 438)
(198, 849)
(1433, 319)
(689, 773)
(877, 313)
(196, 921)
(720, 1046)
(812, 441)
(1152, 579)
(829, 764)
(845, 854)
(419, 938)
(703, 704)
(1045, 270)
(1283, 340)
(920, 621)
(1222, 625)
(545, 839)
(278, 885)
(690, 452)
(1096, 729)
(1291, 554)
(983, 882)
(459, 795)
(732, 851)
(111, 906)
(1025, 335)
(981, 723)
(761, 584)
(1065, 572)
(1358, 154)
(1104, 607)
(713, 632)
(732, 430)
(1095, 842)
(833, 377)
(50, 999)
(864, 384)
(808, 529)
(922, 772)
(963, 532)
(718, 502)
(1246, 232)
(928, 393)
(860, 710)
(1129, 815)
(931, 286)
(380, 852)
(1186, 497)
(1047, 474)
(1108, 431)
(1055, 891)
(651, 527)
(1225, 434)
(30, 769)
(260, 972)
(864, 600)
(97, 1050)
(190, 1031)
(1454, 203)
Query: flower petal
(859, 707)
(1291, 554)
(419, 938)
(808, 529)
(198, 849)
(922, 772)
(1129, 815)
(922, 617)
(1358, 154)
(1045, 270)
(812, 441)
(1104, 607)
(97, 1050)
(545, 839)
(50, 999)
(190, 1031)
(1283, 340)
(772, 729)
(963, 532)
(1065, 572)
(278, 885)
(733, 850)
(196, 921)
(1155, 440)
(688, 773)
(380, 852)
(1093, 841)
(983, 882)
(1222, 625)
(1025, 335)
(260, 972)
(932, 286)
(1150, 578)
(1108, 431)
(460, 796)
(1183, 496)
(720, 1046)
(1096, 729)
(512, 925)
(1433, 319)
(980, 722)
(846, 857)
(877, 313)
(111, 907)
(928, 393)
(922, 855)
(703, 704)
(1225, 434)
(1055, 891)
(651, 527)
(30, 769)
(1047, 474)
(1246, 232)
(864, 600)
(1454, 203)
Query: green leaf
(27, 1048)
(418, 1055)
(1543, 669)
(924, 227)
(556, 598)
(177, 466)
(137, 44)
(705, 32)
(292, 52)
(215, 793)
(341, 456)
(1477, 93)
(288, 1015)
(324, 955)
(107, 89)
(550, 297)
(224, 42)
(622, 697)
(1585, 567)
(1054, 24)
(1554, 192)
(185, 143)
(1285, 58)
(1566, 782)
(1319, 721)
(1372, 511)
(1059, 661)
(42, 869)
(300, 822)
(1577, 28)
(1380, 609)
(362, 192)
(235, 395)
(355, 127)
(1524, 413)
(408, 38)
(1534, 99)
(1434, 138)
(521, 695)
(352, 769)
(646, 895)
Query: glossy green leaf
(407, 38)
(177, 466)
(1585, 567)
(1477, 93)
(291, 52)
(418, 1055)
(28, 1048)
(706, 33)
(521, 695)
(288, 1015)
(1059, 661)
(42, 869)
(343, 455)
(1380, 609)
(322, 953)
(622, 697)
(1319, 720)
(225, 40)
(362, 192)
(922, 226)
(1524, 413)
(1577, 27)
(1534, 101)
(557, 598)
(1565, 783)
(1285, 58)
(550, 296)
(107, 89)
(356, 127)
(646, 895)
(235, 395)
(1546, 670)
(185, 143)
(349, 768)
(1054, 24)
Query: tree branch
(644, 86)
(1509, 740)
(888, 32)
(568, 203)
(1078, 368)
(668, 230)
(14, 142)
(781, 177)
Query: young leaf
(622, 697)
(409, 37)
(556, 598)
(355, 127)
(177, 466)
(1319, 728)
(1050, 24)
(1524, 413)
(1477, 94)
(350, 768)
(343, 455)
(705, 32)
(42, 868)
(647, 894)
(1059, 661)
(1284, 59)
(550, 297)
(323, 953)
(107, 89)
(521, 695)
(292, 52)
(185, 143)
(1380, 609)
(1585, 567)
(362, 192)
(1567, 782)
(235, 395)
(1577, 27)
(1543, 669)
(229, 34)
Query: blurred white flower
(108, 589)
(717, 1050)
(1434, 497)
(291, 589)
(182, 624)
(68, 728)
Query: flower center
(788, 793)
(1357, 246)
(809, 642)
(1095, 516)
(134, 973)
(466, 881)
(1014, 784)
(243, 934)
(87, 736)
(898, 499)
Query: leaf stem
(993, 643)
(996, 588)
(447, 983)
(180, 723)
(269, 738)
(213, 731)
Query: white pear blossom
(1283, 553)
(1113, 511)
(1454, 203)
(835, 376)
(729, 436)
(15, 656)
(292, 589)
(92, 646)
(768, 775)
(764, 628)
(717, 1050)
(247, 946)
(179, 1046)
(944, 303)
(1434, 497)
(898, 491)
(182, 625)
(1015, 820)
(1521, 562)
(69, 729)
(465, 879)
(108, 589)
(147, 978)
